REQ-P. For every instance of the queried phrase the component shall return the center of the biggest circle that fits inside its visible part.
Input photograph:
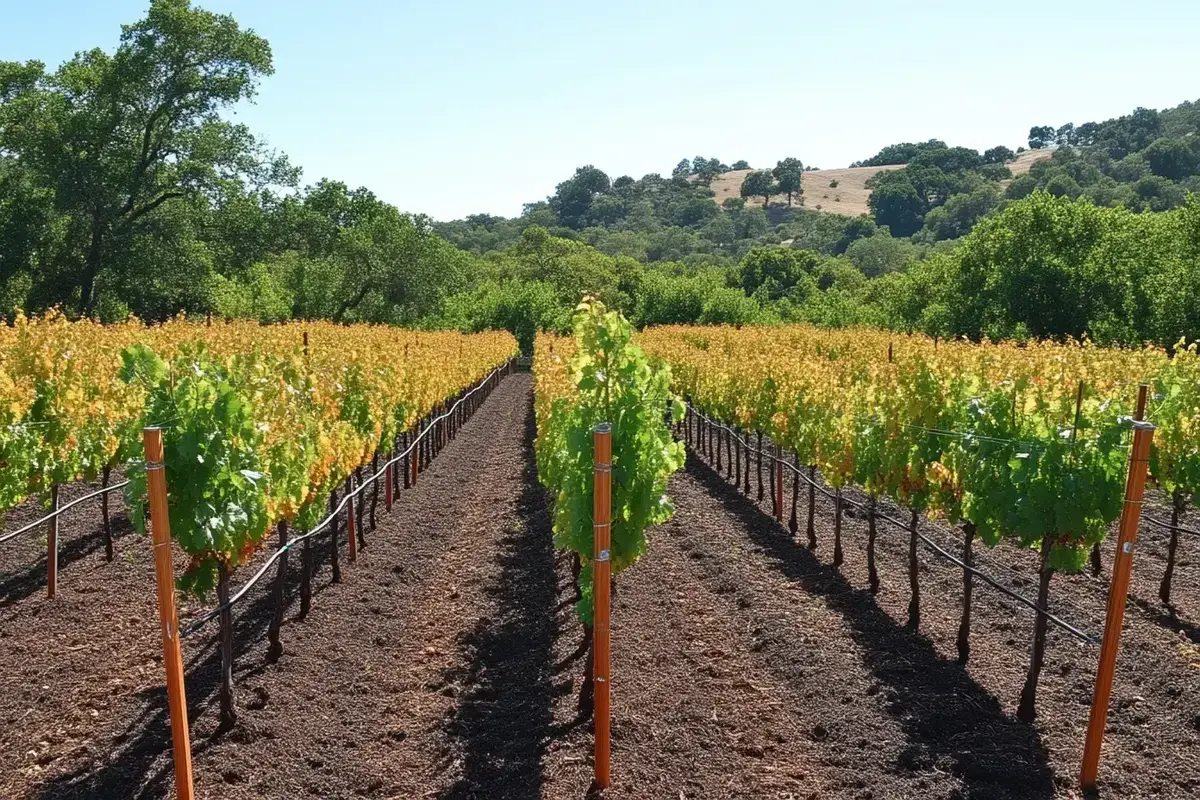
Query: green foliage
(998, 155)
(115, 138)
(731, 307)
(901, 153)
(521, 307)
(759, 184)
(218, 510)
(879, 255)
(615, 383)
(788, 174)
(1041, 136)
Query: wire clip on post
(602, 575)
(160, 530)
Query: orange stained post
(353, 546)
(1143, 433)
(52, 546)
(602, 574)
(164, 576)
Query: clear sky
(450, 108)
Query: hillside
(851, 194)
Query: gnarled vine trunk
(228, 709)
(837, 527)
(1178, 503)
(872, 574)
(1027, 709)
(914, 582)
(964, 625)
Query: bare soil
(445, 663)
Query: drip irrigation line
(33, 525)
(929, 543)
(1168, 526)
(200, 622)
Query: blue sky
(450, 108)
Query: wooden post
(52, 545)
(350, 527)
(602, 529)
(1143, 433)
(160, 531)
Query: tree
(1066, 134)
(776, 268)
(901, 153)
(894, 202)
(789, 173)
(117, 137)
(759, 184)
(707, 169)
(998, 155)
(741, 164)
(682, 170)
(880, 255)
(1041, 136)
(1175, 159)
(572, 199)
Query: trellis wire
(929, 543)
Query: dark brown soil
(958, 732)
(445, 663)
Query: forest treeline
(125, 188)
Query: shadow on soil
(1164, 617)
(951, 722)
(503, 721)
(31, 580)
(138, 764)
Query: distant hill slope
(850, 195)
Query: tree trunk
(1027, 709)
(872, 575)
(1097, 564)
(964, 626)
(275, 649)
(108, 542)
(812, 506)
(92, 264)
(1178, 499)
(837, 527)
(759, 460)
(720, 450)
(228, 710)
(914, 583)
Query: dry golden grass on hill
(850, 195)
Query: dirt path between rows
(445, 664)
